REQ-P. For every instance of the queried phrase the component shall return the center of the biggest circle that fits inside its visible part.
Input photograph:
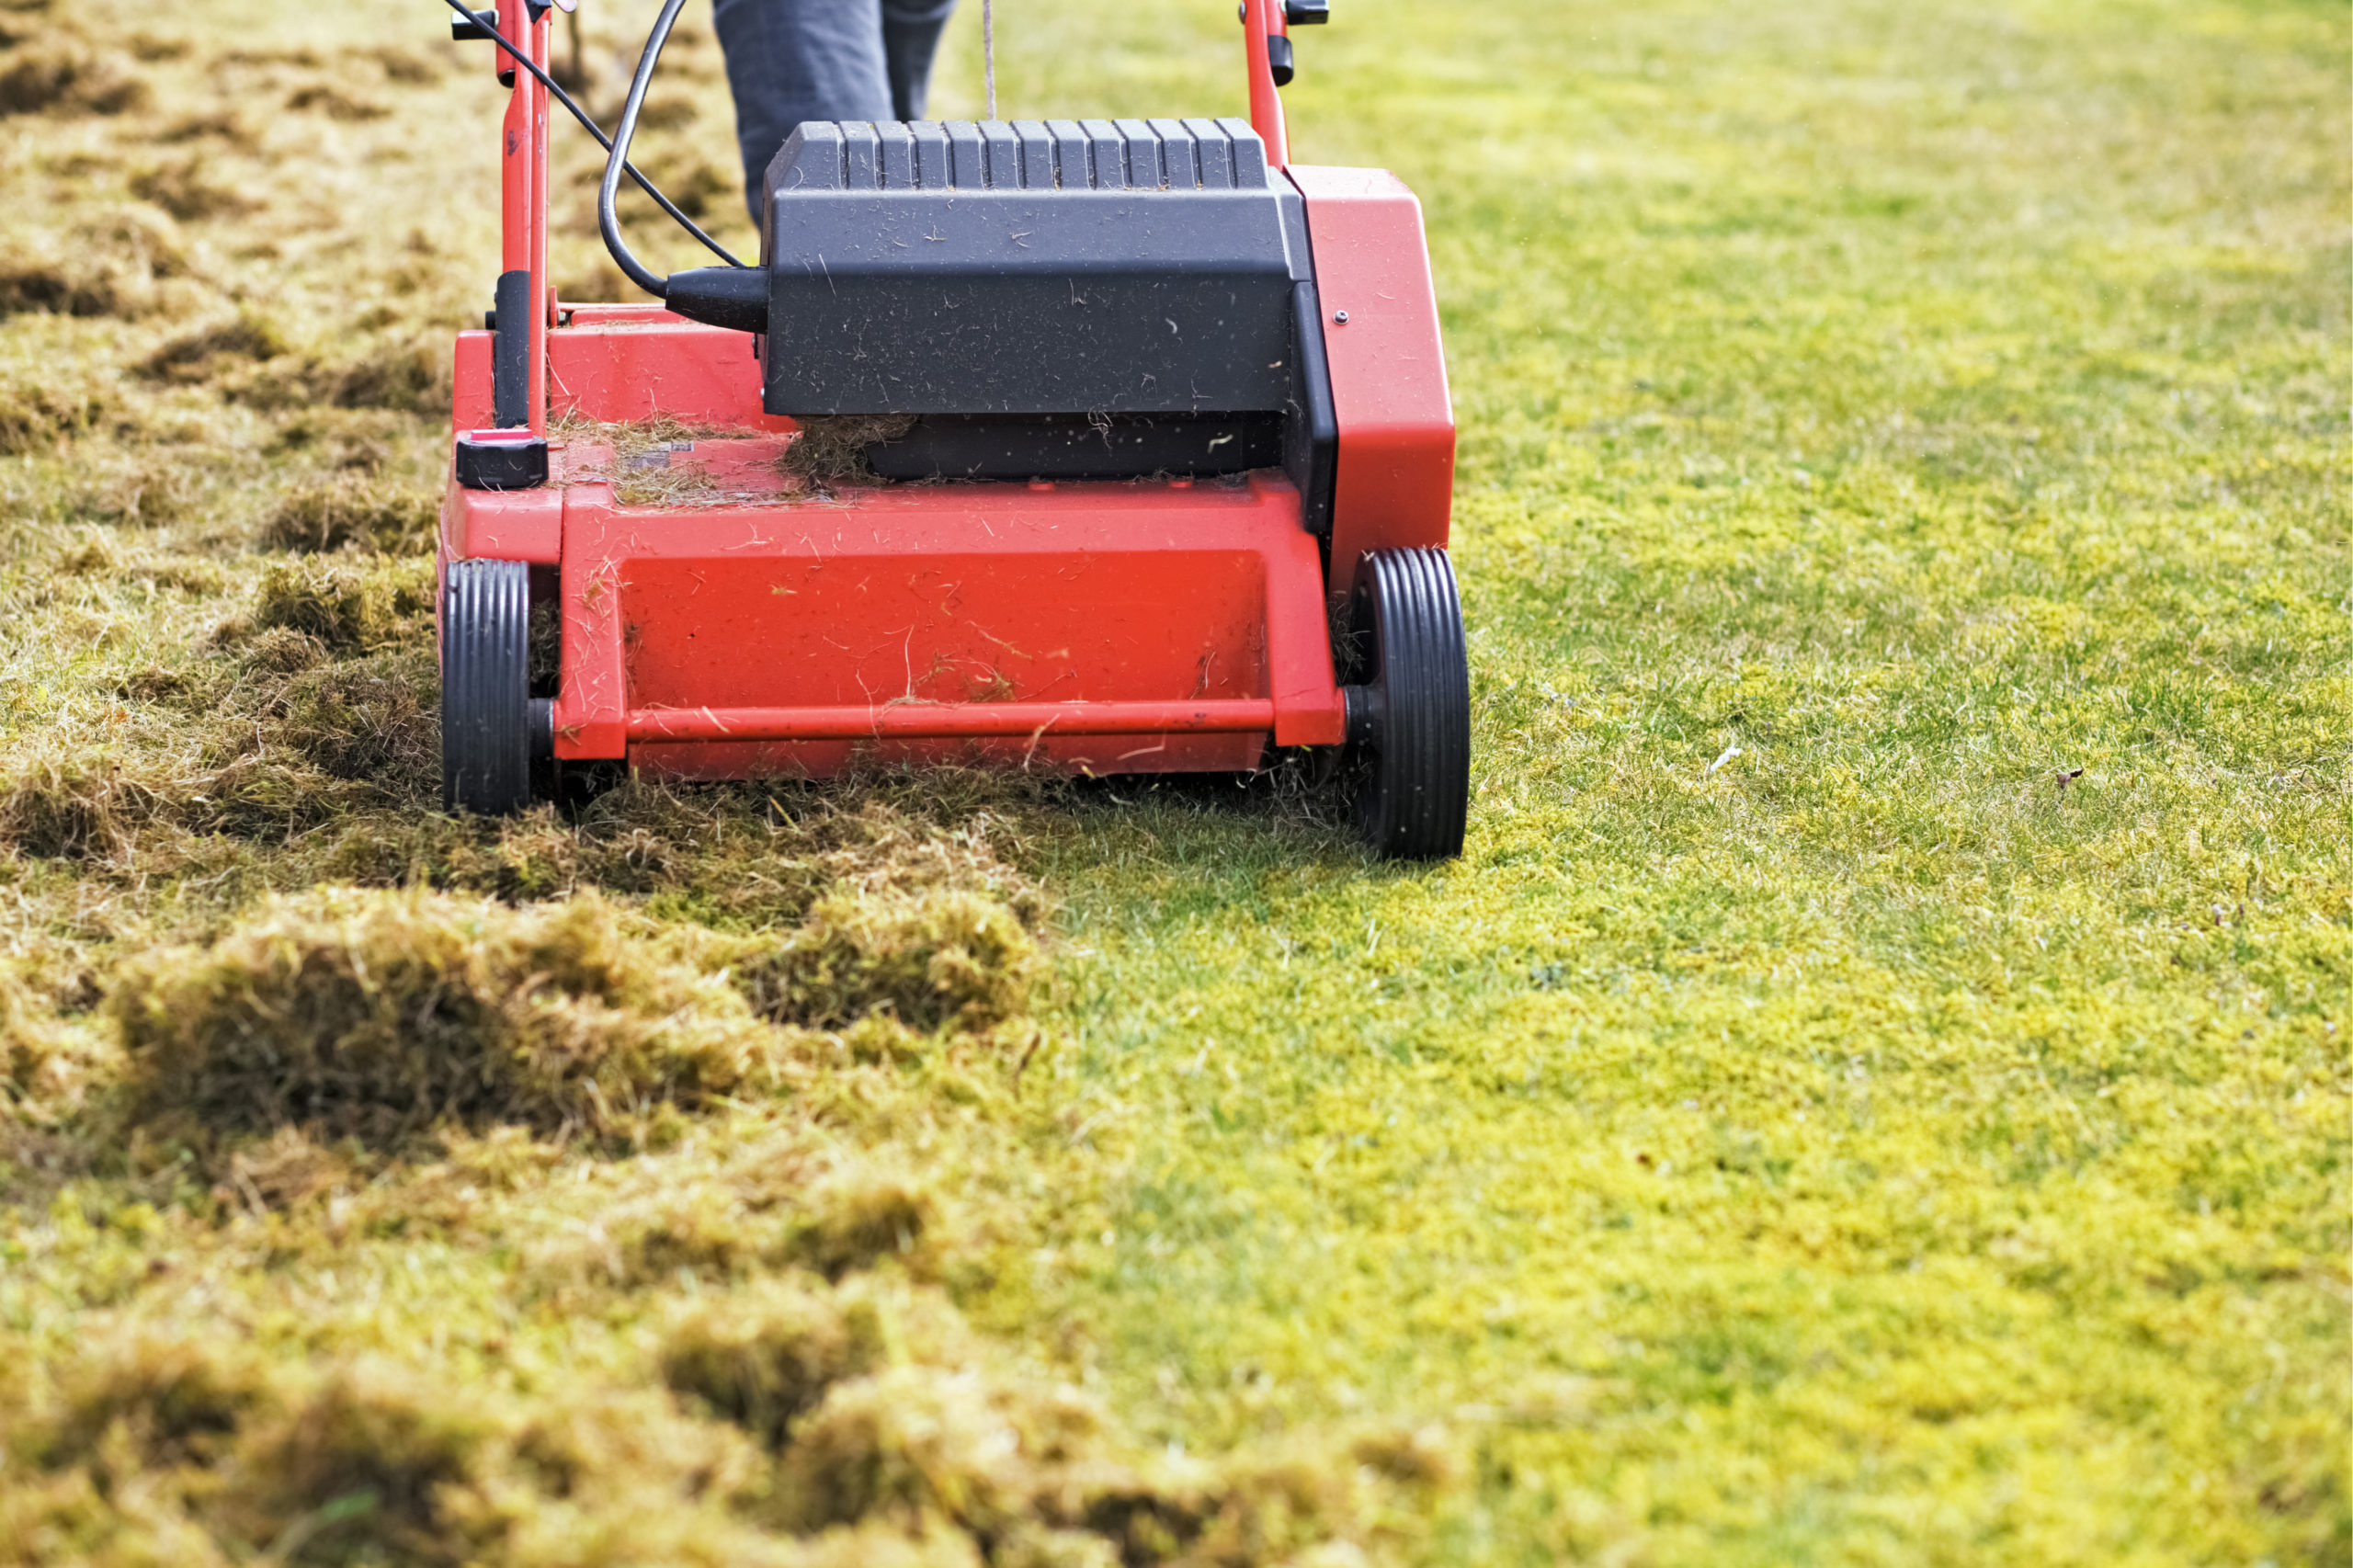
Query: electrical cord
(617, 156)
(605, 141)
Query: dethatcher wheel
(1409, 722)
(486, 708)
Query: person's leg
(793, 60)
(910, 30)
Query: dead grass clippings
(930, 958)
(157, 1447)
(405, 66)
(368, 719)
(350, 445)
(76, 807)
(1036, 1470)
(352, 509)
(93, 555)
(369, 1455)
(322, 97)
(379, 1016)
(885, 1412)
(151, 47)
(171, 1399)
(150, 492)
(289, 1168)
(225, 126)
(408, 375)
(275, 649)
(205, 353)
(113, 262)
(402, 376)
(183, 189)
(857, 1216)
(66, 79)
(662, 479)
(38, 414)
(764, 1357)
(298, 57)
(698, 185)
(348, 608)
(712, 1232)
(48, 1071)
(831, 449)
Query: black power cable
(604, 205)
(617, 156)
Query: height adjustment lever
(481, 29)
(1283, 61)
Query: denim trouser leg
(910, 30)
(793, 60)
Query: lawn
(1873, 1090)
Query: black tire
(1410, 720)
(486, 707)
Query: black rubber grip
(510, 380)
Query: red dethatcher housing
(759, 624)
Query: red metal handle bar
(523, 188)
(949, 720)
(1260, 20)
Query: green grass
(1802, 1129)
(1799, 1129)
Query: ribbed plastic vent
(1022, 154)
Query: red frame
(1395, 485)
(1147, 625)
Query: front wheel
(486, 708)
(1409, 722)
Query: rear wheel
(1409, 722)
(486, 707)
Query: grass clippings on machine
(1132, 453)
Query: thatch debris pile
(376, 1017)
(586, 1113)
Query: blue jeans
(793, 60)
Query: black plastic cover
(1054, 266)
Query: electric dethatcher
(1150, 463)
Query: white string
(988, 54)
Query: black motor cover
(1031, 267)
